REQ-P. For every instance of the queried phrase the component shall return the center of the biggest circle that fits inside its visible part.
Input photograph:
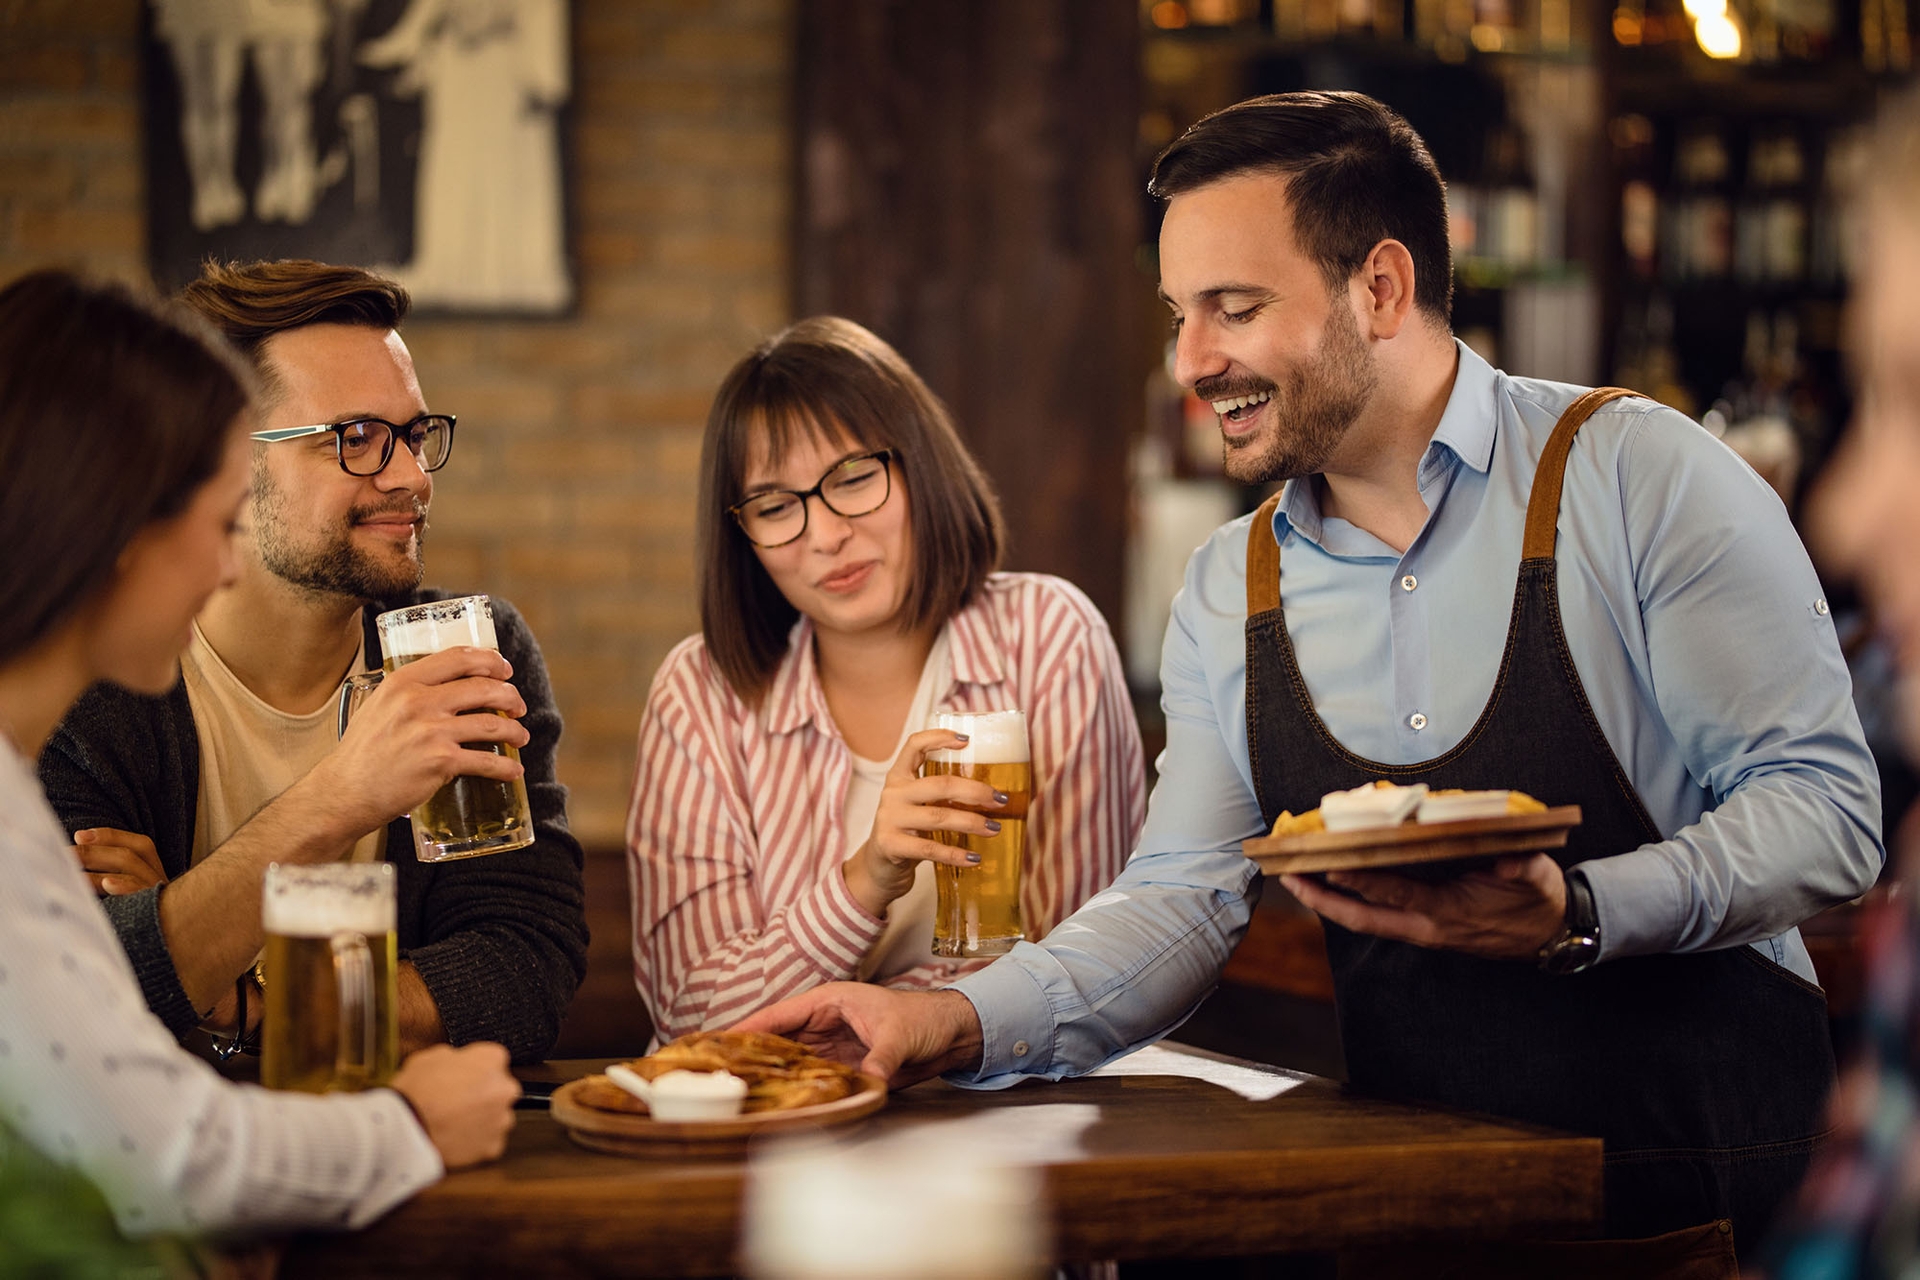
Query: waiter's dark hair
(1357, 174)
(821, 376)
(114, 409)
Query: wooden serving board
(621, 1134)
(1411, 843)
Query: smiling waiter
(1469, 580)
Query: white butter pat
(690, 1095)
(1463, 805)
(1370, 806)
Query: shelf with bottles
(1409, 31)
(1732, 257)
(1760, 50)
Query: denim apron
(1706, 1074)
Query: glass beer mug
(468, 816)
(978, 907)
(331, 973)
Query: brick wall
(571, 494)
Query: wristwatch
(1577, 945)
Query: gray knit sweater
(500, 941)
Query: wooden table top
(1173, 1166)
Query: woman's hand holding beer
(911, 806)
(464, 1099)
(407, 739)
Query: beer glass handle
(353, 979)
(354, 691)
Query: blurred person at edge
(125, 424)
(1859, 1211)
(780, 836)
(177, 802)
(1637, 631)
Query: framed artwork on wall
(418, 137)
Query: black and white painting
(419, 137)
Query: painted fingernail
(993, 828)
(964, 737)
(974, 858)
(999, 797)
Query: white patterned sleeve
(92, 1080)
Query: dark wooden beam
(966, 187)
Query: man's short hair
(249, 302)
(1357, 174)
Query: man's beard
(332, 565)
(1311, 417)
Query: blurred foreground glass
(978, 907)
(331, 976)
(469, 816)
(918, 1204)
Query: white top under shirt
(96, 1083)
(907, 940)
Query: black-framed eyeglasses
(365, 445)
(856, 486)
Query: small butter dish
(1373, 805)
(1459, 806)
(684, 1095)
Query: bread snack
(1448, 805)
(781, 1074)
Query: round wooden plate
(629, 1135)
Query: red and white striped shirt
(734, 834)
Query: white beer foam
(437, 627)
(996, 737)
(310, 910)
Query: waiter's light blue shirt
(1699, 631)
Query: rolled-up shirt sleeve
(1747, 672)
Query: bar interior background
(1643, 192)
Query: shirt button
(1020, 1048)
(1416, 722)
(1409, 582)
(1820, 607)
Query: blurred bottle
(1885, 46)
(1633, 154)
(1697, 238)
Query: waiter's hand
(1506, 913)
(903, 1037)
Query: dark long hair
(114, 410)
(818, 375)
(1357, 174)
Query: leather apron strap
(1543, 508)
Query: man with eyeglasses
(178, 803)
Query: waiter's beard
(1321, 402)
(330, 563)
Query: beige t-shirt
(251, 752)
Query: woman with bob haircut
(779, 832)
(123, 434)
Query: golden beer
(331, 972)
(469, 816)
(977, 911)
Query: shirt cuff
(831, 928)
(1017, 1027)
(1636, 899)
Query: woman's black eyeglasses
(855, 486)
